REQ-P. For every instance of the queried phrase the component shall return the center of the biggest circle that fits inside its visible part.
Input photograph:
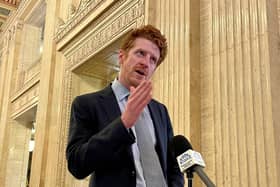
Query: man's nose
(146, 60)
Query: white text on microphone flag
(190, 158)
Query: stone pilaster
(40, 175)
(237, 94)
(10, 60)
(172, 78)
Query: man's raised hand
(137, 101)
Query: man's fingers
(142, 91)
(139, 100)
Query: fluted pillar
(177, 80)
(238, 126)
(172, 78)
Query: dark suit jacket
(100, 145)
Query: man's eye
(153, 60)
(140, 53)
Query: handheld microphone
(188, 159)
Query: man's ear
(121, 56)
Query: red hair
(148, 32)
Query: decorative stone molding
(132, 17)
(32, 72)
(30, 80)
(25, 101)
(9, 35)
(14, 16)
(68, 95)
(5, 45)
(71, 11)
(75, 16)
(19, 24)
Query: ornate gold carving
(18, 25)
(85, 8)
(28, 99)
(103, 36)
(60, 23)
(68, 96)
(72, 10)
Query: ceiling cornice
(7, 7)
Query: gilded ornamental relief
(25, 102)
(120, 16)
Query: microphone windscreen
(179, 145)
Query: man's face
(139, 63)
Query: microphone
(188, 159)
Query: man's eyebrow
(146, 51)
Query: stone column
(43, 169)
(3, 101)
(172, 78)
(10, 60)
(3, 65)
(238, 69)
(17, 154)
(177, 80)
(273, 22)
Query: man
(120, 135)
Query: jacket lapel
(159, 131)
(156, 119)
(109, 104)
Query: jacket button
(132, 173)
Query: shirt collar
(120, 91)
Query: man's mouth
(142, 73)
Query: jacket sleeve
(89, 148)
